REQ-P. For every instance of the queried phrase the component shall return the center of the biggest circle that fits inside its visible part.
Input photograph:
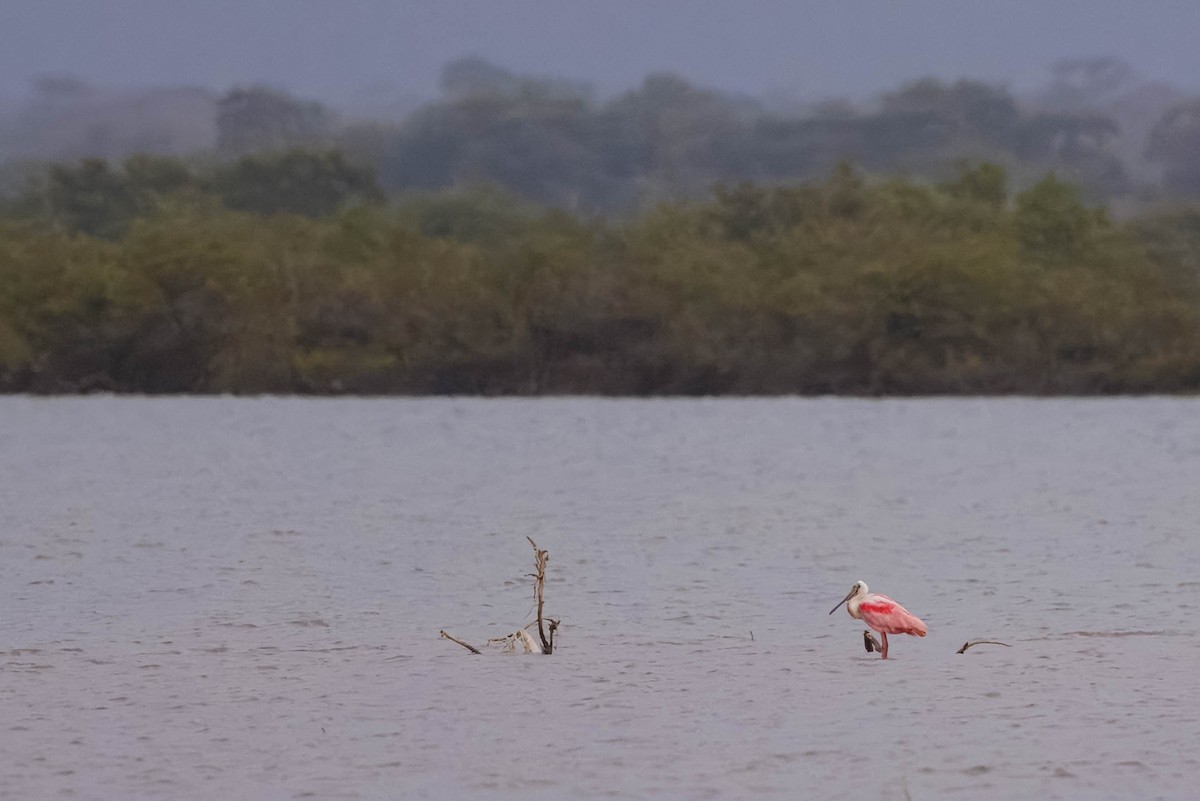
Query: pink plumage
(882, 614)
(888, 617)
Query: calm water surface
(240, 599)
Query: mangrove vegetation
(292, 272)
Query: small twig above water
(969, 644)
(509, 641)
(540, 558)
(468, 646)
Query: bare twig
(468, 646)
(540, 558)
(968, 644)
(528, 644)
(509, 640)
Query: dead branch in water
(544, 624)
(969, 644)
(468, 646)
(540, 558)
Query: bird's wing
(883, 614)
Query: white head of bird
(855, 598)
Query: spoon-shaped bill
(849, 595)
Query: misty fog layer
(1125, 141)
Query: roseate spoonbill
(880, 613)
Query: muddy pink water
(240, 599)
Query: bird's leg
(883, 654)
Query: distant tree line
(554, 143)
(291, 271)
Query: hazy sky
(331, 48)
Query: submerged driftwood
(527, 643)
(969, 644)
